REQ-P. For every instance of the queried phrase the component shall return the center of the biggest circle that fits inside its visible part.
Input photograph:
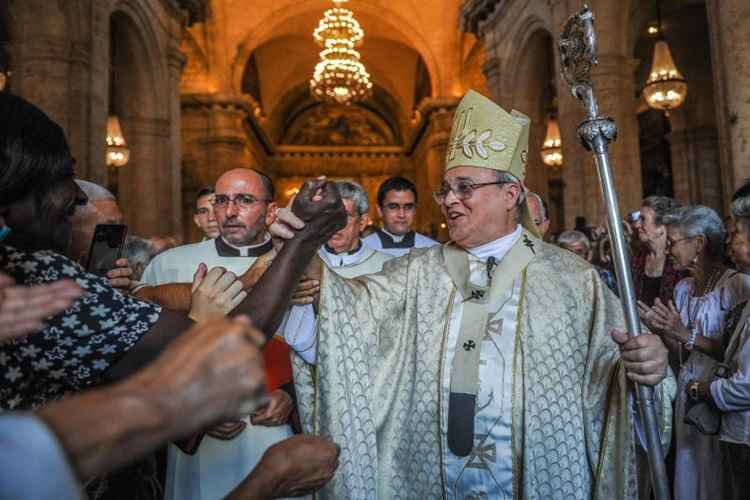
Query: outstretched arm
(319, 205)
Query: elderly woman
(692, 327)
(731, 395)
(653, 274)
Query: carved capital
(475, 12)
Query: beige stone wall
(179, 93)
(60, 53)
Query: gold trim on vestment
(446, 329)
(516, 427)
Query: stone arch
(533, 94)
(512, 57)
(271, 24)
(147, 45)
(140, 89)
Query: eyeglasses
(241, 200)
(671, 242)
(407, 207)
(462, 189)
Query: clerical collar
(225, 249)
(343, 259)
(496, 248)
(388, 240)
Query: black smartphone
(106, 247)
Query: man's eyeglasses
(462, 189)
(241, 200)
(407, 207)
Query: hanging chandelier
(552, 147)
(665, 87)
(118, 153)
(340, 76)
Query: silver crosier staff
(578, 57)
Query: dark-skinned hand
(299, 465)
(319, 205)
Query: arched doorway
(138, 97)
(680, 153)
(535, 96)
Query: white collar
(344, 259)
(496, 248)
(247, 249)
(395, 237)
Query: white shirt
(732, 395)
(397, 245)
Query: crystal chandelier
(339, 76)
(665, 87)
(552, 146)
(118, 153)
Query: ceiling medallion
(340, 76)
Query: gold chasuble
(376, 386)
(398, 352)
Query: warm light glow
(552, 146)
(653, 29)
(665, 87)
(118, 153)
(442, 225)
(291, 192)
(339, 76)
(3, 80)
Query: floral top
(77, 346)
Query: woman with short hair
(731, 395)
(653, 274)
(692, 327)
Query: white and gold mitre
(485, 135)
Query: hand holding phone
(106, 247)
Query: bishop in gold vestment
(517, 327)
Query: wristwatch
(693, 390)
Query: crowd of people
(301, 349)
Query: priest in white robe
(244, 208)
(486, 368)
(346, 255)
(397, 207)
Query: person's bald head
(243, 205)
(538, 211)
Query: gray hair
(503, 176)
(138, 250)
(94, 191)
(572, 237)
(661, 205)
(698, 220)
(741, 208)
(350, 190)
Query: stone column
(176, 63)
(729, 29)
(143, 190)
(213, 136)
(695, 158)
(429, 165)
(616, 91)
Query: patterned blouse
(77, 346)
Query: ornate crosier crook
(577, 58)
